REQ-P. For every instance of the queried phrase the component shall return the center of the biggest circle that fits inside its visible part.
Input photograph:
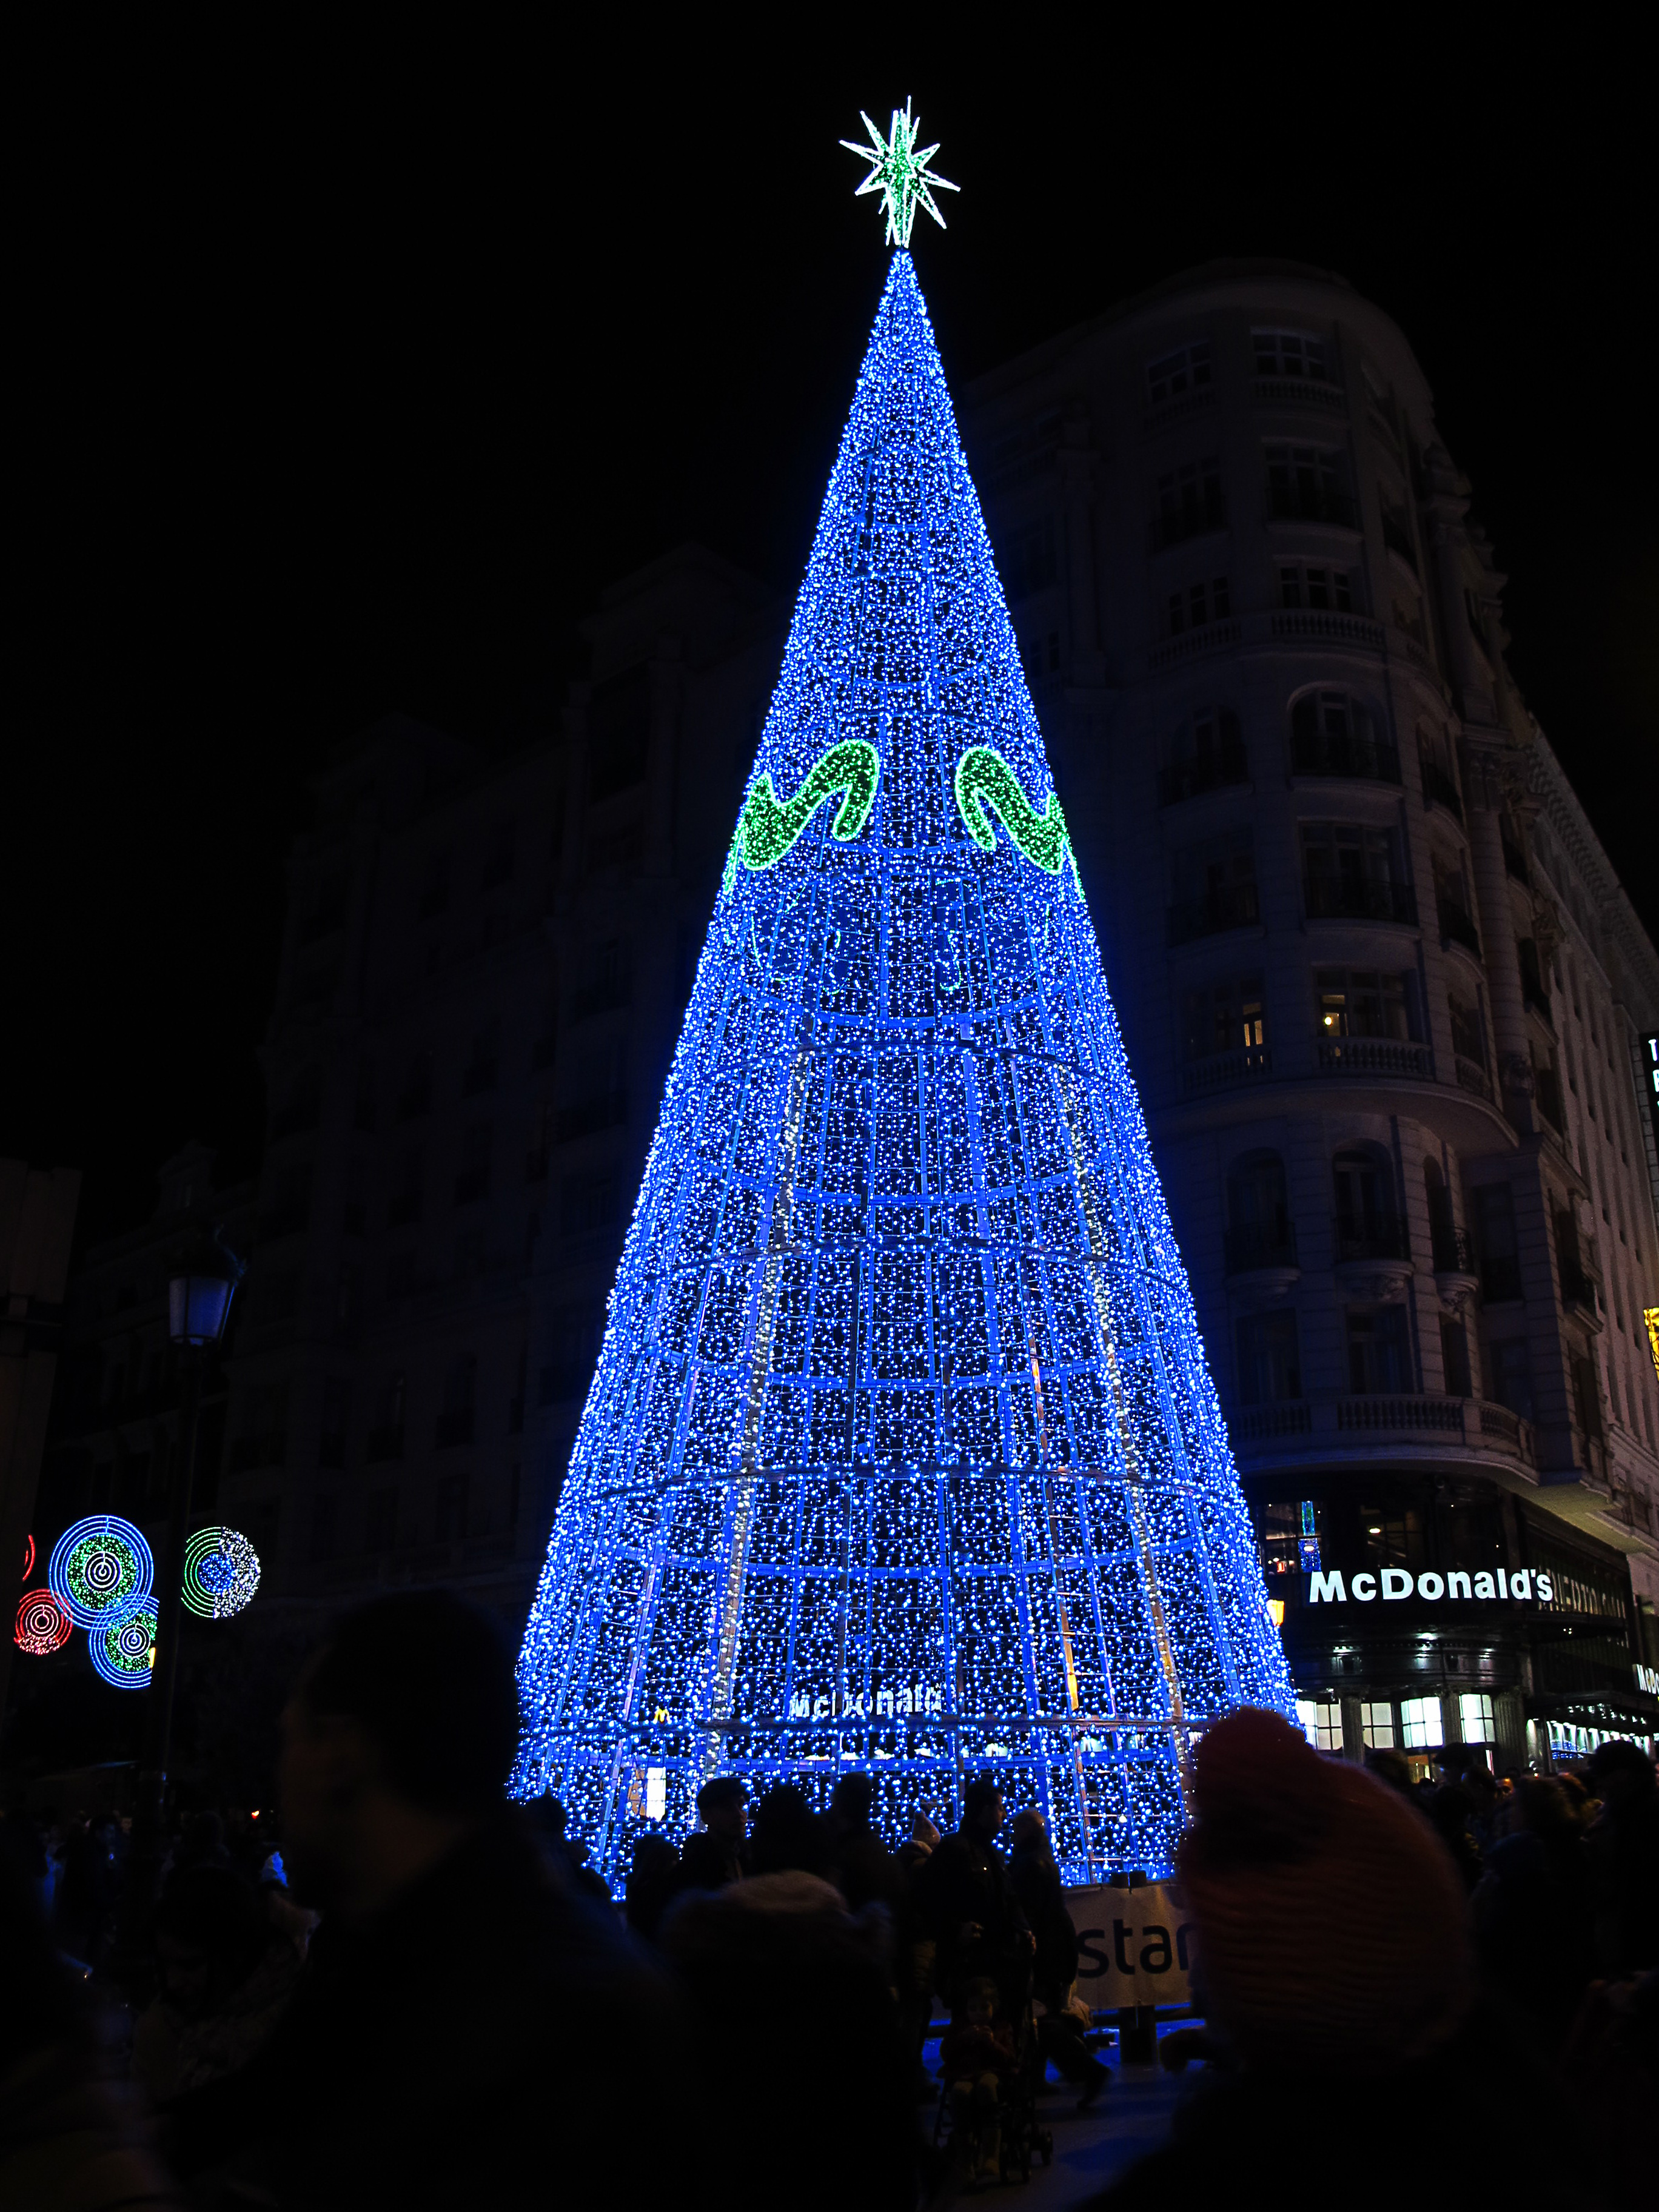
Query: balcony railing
(1360, 898)
(1335, 627)
(1453, 1251)
(1456, 927)
(1252, 1244)
(1220, 1071)
(1369, 1240)
(1438, 786)
(1193, 644)
(1186, 779)
(1424, 1418)
(1351, 1055)
(1231, 906)
(1310, 503)
(1368, 760)
(1471, 1076)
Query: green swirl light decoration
(222, 1573)
(983, 780)
(125, 1654)
(768, 828)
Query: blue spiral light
(124, 1655)
(901, 1449)
(100, 1571)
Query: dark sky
(344, 380)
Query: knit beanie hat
(1330, 1923)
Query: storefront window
(1420, 1721)
(1377, 1720)
(1476, 1709)
(1320, 1723)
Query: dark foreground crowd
(424, 1996)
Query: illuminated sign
(1522, 1587)
(1647, 1678)
(1651, 1314)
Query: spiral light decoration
(100, 1571)
(43, 1626)
(222, 1573)
(124, 1655)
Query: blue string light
(100, 1571)
(902, 1450)
(125, 1654)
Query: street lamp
(200, 1286)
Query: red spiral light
(28, 1557)
(43, 1626)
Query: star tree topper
(900, 173)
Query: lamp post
(200, 1286)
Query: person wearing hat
(1332, 1961)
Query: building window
(587, 1202)
(1377, 1719)
(1198, 605)
(1467, 1031)
(1320, 1723)
(1332, 734)
(1228, 1017)
(472, 1183)
(451, 1522)
(1039, 656)
(1350, 870)
(460, 1392)
(336, 1421)
(1206, 752)
(380, 1521)
(1028, 562)
(1306, 484)
(1475, 1708)
(1379, 1353)
(618, 733)
(1269, 1362)
(1510, 1375)
(322, 1528)
(607, 981)
(498, 861)
(1330, 590)
(1496, 1248)
(1189, 501)
(1213, 886)
(1174, 374)
(1259, 1232)
(1292, 353)
(1420, 1723)
(1366, 1002)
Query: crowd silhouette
(422, 1995)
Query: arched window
(1368, 1226)
(1334, 733)
(1260, 1232)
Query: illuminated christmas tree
(902, 1451)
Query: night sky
(344, 385)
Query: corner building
(1380, 992)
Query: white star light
(900, 173)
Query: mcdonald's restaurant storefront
(1419, 1614)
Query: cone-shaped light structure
(902, 1450)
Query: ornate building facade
(1380, 990)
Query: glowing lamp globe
(199, 1290)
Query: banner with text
(1134, 1946)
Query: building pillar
(1511, 1048)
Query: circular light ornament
(222, 1573)
(43, 1626)
(28, 1557)
(125, 1654)
(100, 1571)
